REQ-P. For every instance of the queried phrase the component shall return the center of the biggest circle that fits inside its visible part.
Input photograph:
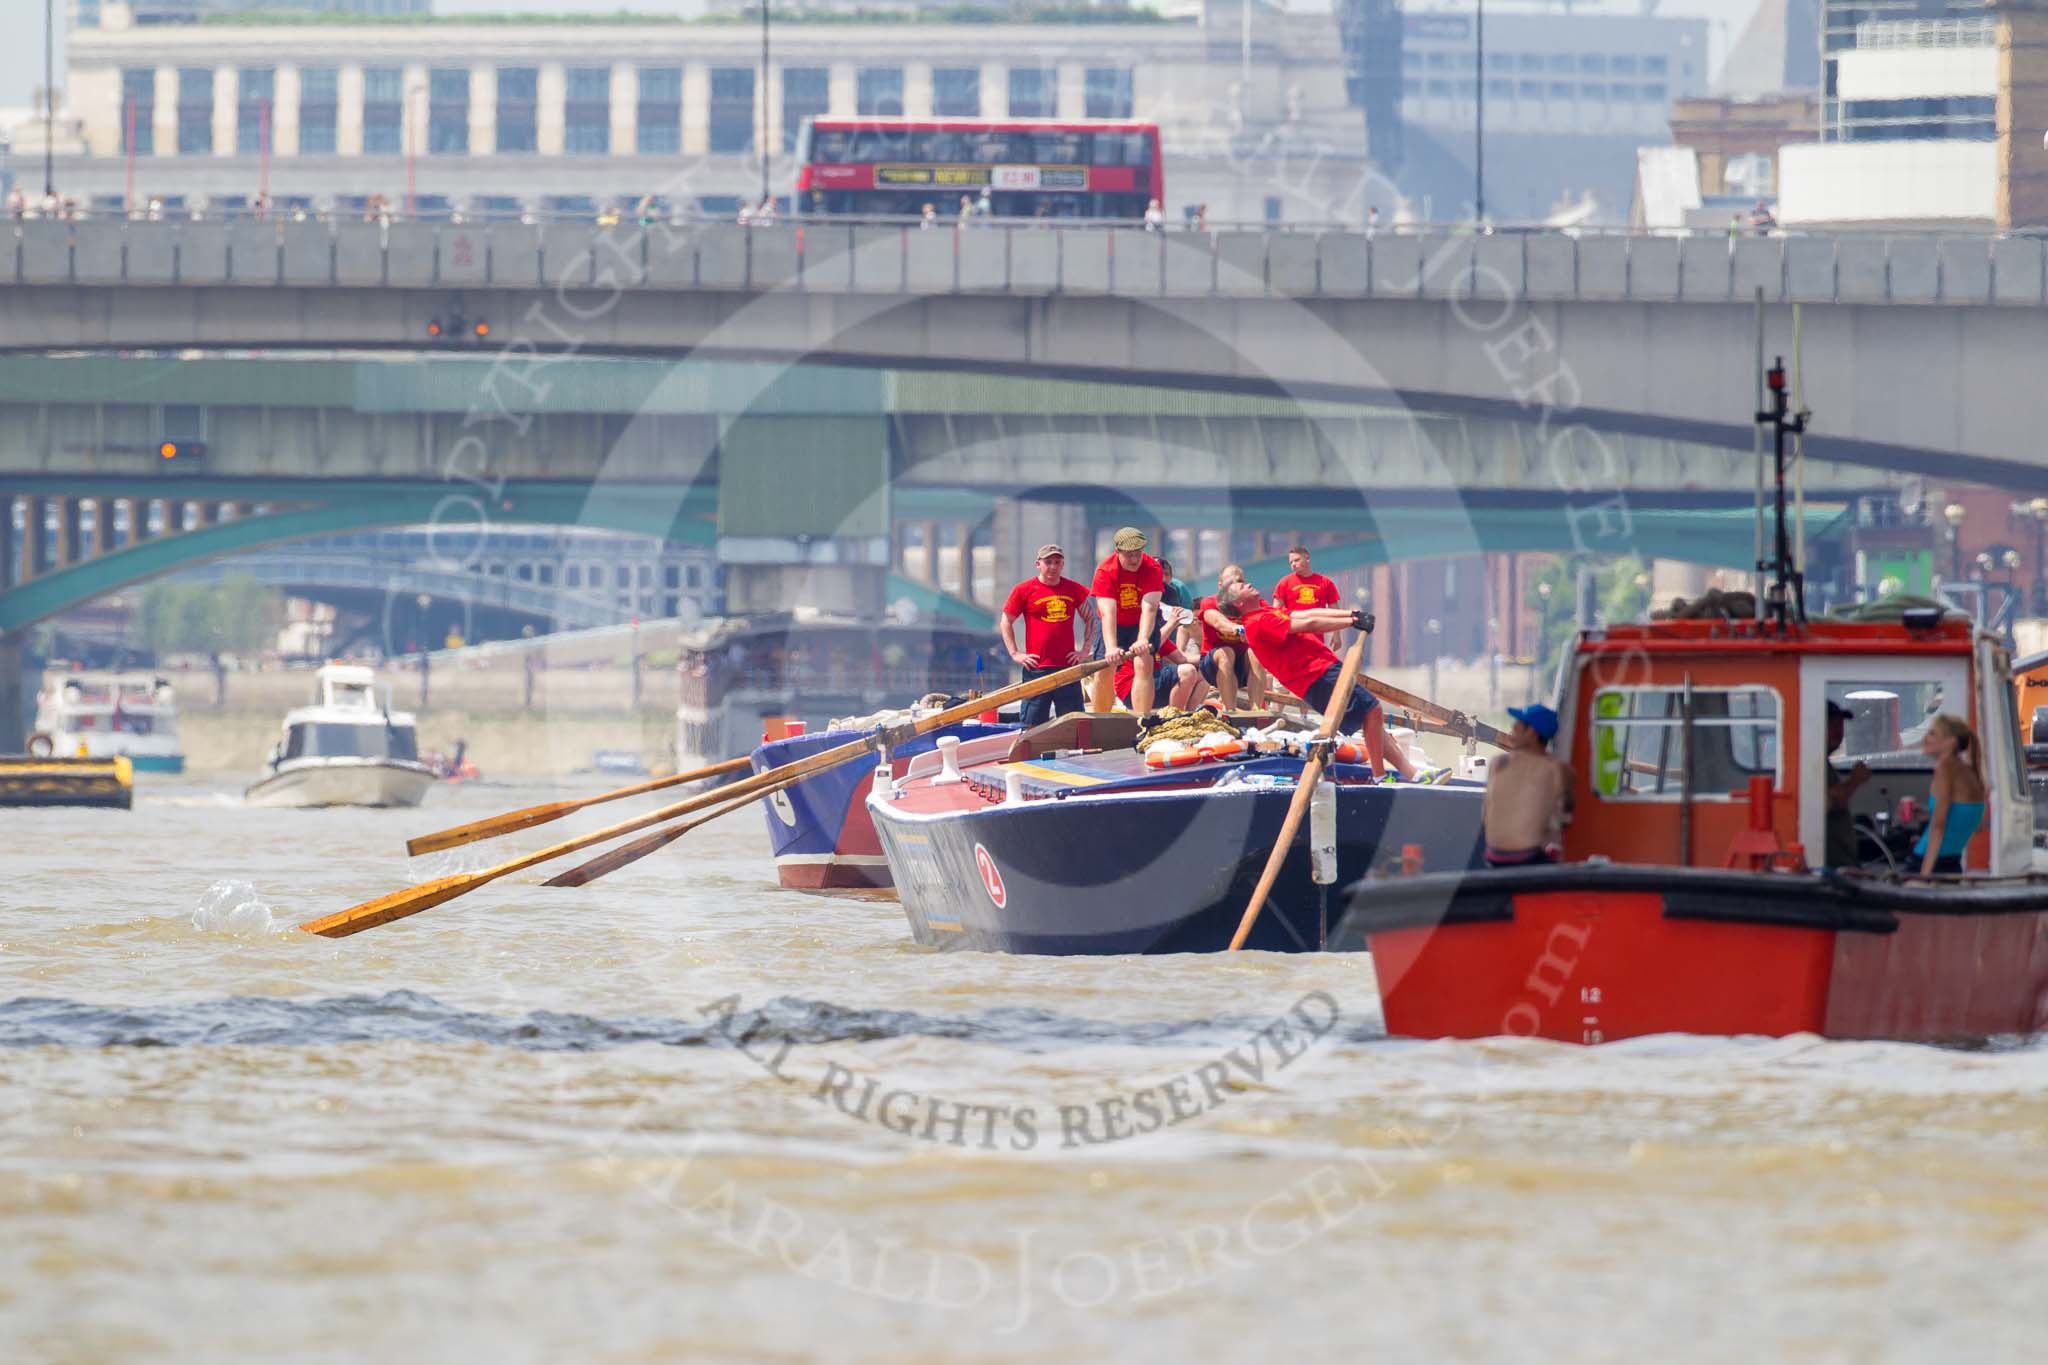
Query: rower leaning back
(1290, 645)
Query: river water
(683, 1115)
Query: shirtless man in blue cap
(1528, 794)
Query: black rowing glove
(1362, 620)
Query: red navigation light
(433, 327)
(169, 450)
(181, 450)
(483, 329)
(1776, 378)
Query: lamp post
(1479, 127)
(765, 193)
(1953, 514)
(423, 601)
(2037, 510)
(49, 97)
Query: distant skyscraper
(1915, 91)
(1371, 31)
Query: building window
(1109, 92)
(1440, 89)
(806, 93)
(518, 108)
(138, 110)
(1655, 66)
(732, 109)
(319, 103)
(1411, 60)
(1410, 86)
(1562, 90)
(659, 131)
(1034, 91)
(1273, 208)
(1592, 64)
(693, 577)
(1622, 66)
(956, 91)
(1497, 89)
(1593, 92)
(1439, 61)
(1561, 64)
(587, 117)
(880, 91)
(1529, 61)
(195, 110)
(1655, 93)
(1467, 89)
(448, 111)
(383, 110)
(1621, 94)
(254, 89)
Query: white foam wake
(231, 906)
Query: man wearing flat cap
(1127, 589)
(1058, 633)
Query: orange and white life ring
(1183, 758)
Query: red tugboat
(1693, 896)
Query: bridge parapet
(1855, 268)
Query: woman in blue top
(1958, 795)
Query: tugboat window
(1639, 741)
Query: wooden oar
(513, 821)
(1455, 722)
(425, 896)
(1311, 773)
(612, 859)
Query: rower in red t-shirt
(1127, 588)
(1226, 664)
(1290, 645)
(1304, 588)
(1168, 669)
(1051, 607)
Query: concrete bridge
(1607, 335)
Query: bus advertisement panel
(1041, 168)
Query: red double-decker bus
(1031, 168)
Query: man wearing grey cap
(1127, 588)
(1052, 608)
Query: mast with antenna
(1785, 599)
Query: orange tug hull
(1587, 966)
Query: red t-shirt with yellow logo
(1128, 587)
(1048, 616)
(1127, 671)
(1301, 590)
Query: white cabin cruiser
(349, 748)
(116, 717)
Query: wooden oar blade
(611, 860)
(513, 821)
(396, 905)
(489, 829)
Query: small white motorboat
(349, 748)
(117, 717)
